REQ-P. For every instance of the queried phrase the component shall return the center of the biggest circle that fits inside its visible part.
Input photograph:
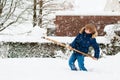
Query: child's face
(87, 31)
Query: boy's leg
(72, 60)
(81, 63)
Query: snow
(106, 68)
(112, 27)
(17, 29)
(89, 6)
(94, 7)
(78, 13)
(26, 33)
(109, 29)
(39, 39)
(112, 5)
(37, 31)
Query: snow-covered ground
(106, 68)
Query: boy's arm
(73, 44)
(96, 48)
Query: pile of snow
(111, 28)
(57, 69)
(37, 31)
(17, 29)
(103, 40)
(23, 33)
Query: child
(82, 42)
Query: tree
(45, 10)
(12, 12)
(34, 14)
(41, 4)
(1, 7)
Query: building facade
(70, 25)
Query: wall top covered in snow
(78, 13)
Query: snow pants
(80, 59)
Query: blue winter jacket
(83, 41)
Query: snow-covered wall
(44, 48)
(23, 50)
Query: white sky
(90, 5)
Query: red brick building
(68, 25)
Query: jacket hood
(93, 35)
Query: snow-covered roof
(78, 13)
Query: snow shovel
(67, 46)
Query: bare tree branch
(12, 22)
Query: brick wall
(70, 25)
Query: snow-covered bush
(114, 46)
